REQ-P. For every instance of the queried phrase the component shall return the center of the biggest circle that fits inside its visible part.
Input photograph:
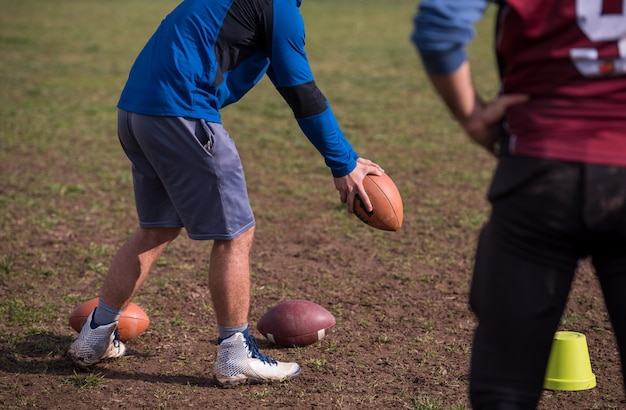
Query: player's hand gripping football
(352, 184)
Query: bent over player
(558, 194)
(205, 55)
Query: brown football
(133, 322)
(387, 212)
(296, 323)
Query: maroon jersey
(570, 57)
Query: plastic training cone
(569, 367)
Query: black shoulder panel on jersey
(246, 29)
(305, 100)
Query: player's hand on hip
(482, 125)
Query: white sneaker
(239, 361)
(94, 345)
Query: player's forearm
(325, 134)
(457, 91)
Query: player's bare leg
(229, 279)
(238, 359)
(129, 269)
(130, 266)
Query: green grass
(85, 381)
(60, 80)
(64, 63)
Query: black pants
(546, 217)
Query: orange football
(133, 322)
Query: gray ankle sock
(105, 314)
(227, 331)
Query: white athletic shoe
(94, 345)
(239, 361)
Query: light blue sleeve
(442, 29)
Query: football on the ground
(296, 323)
(133, 322)
(388, 211)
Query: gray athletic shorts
(186, 173)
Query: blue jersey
(207, 54)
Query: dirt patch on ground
(403, 334)
(404, 330)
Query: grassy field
(66, 204)
(65, 62)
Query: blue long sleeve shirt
(207, 54)
(442, 29)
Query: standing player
(559, 191)
(205, 55)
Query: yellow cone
(569, 367)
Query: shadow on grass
(45, 353)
